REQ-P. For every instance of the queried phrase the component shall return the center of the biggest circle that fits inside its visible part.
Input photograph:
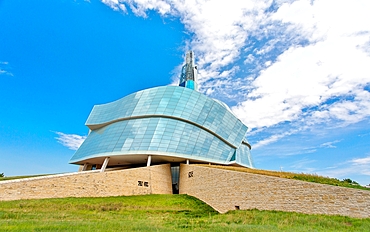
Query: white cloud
(294, 62)
(271, 139)
(357, 168)
(220, 27)
(115, 5)
(323, 80)
(330, 144)
(4, 68)
(361, 161)
(72, 141)
(267, 141)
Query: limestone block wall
(135, 181)
(229, 190)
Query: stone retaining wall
(222, 189)
(229, 190)
(135, 181)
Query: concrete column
(104, 166)
(149, 160)
(84, 167)
(187, 162)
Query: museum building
(168, 124)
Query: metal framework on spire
(189, 73)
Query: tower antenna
(189, 73)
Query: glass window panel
(153, 146)
(189, 150)
(146, 140)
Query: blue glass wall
(173, 101)
(243, 156)
(150, 135)
(169, 120)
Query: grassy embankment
(157, 213)
(20, 177)
(296, 176)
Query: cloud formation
(362, 161)
(219, 28)
(304, 62)
(357, 166)
(324, 79)
(330, 144)
(4, 68)
(72, 141)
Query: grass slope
(157, 213)
(21, 177)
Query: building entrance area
(175, 173)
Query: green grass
(157, 213)
(296, 176)
(21, 177)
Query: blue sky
(296, 73)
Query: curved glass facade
(171, 121)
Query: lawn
(20, 177)
(157, 213)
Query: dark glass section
(233, 157)
(175, 173)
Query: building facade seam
(164, 116)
